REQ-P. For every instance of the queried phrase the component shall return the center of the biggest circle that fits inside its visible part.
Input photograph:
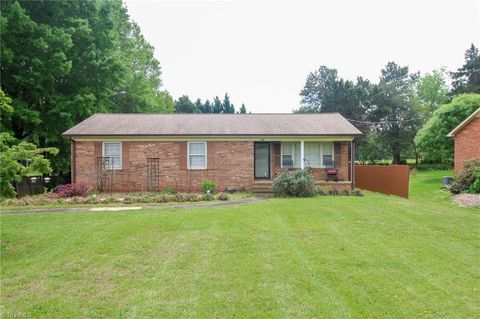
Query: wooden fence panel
(385, 179)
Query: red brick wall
(467, 143)
(229, 164)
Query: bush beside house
(468, 179)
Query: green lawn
(333, 257)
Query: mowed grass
(325, 257)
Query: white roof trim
(465, 122)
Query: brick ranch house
(466, 137)
(149, 152)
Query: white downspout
(352, 163)
(302, 154)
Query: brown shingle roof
(214, 124)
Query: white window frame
(322, 153)
(292, 149)
(292, 153)
(121, 152)
(188, 154)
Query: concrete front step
(262, 187)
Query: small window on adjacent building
(197, 155)
(113, 150)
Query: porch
(321, 156)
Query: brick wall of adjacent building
(229, 164)
(467, 143)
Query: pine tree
(243, 109)
(207, 107)
(184, 105)
(467, 78)
(198, 106)
(217, 105)
(227, 105)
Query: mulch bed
(467, 199)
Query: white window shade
(298, 155)
(113, 151)
(197, 155)
(312, 154)
(290, 155)
(327, 152)
(197, 148)
(317, 154)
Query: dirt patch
(467, 199)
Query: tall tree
(217, 105)
(14, 155)
(228, 107)
(432, 91)
(243, 109)
(207, 107)
(319, 90)
(467, 78)
(432, 140)
(396, 117)
(324, 91)
(198, 106)
(184, 105)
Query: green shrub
(467, 177)
(475, 187)
(208, 185)
(455, 188)
(299, 183)
(207, 197)
(322, 191)
(356, 192)
(433, 166)
(223, 196)
(169, 191)
(334, 191)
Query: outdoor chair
(331, 172)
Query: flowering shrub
(70, 190)
(223, 196)
(465, 180)
(114, 198)
(334, 191)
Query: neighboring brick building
(467, 140)
(140, 152)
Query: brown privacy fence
(385, 179)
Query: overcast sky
(261, 52)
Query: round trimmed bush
(299, 183)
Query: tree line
(185, 105)
(405, 114)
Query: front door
(262, 160)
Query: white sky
(261, 52)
